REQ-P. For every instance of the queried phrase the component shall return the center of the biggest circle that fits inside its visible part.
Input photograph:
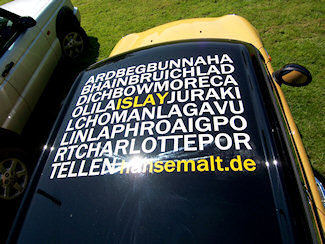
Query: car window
(8, 32)
(172, 144)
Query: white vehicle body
(34, 35)
(33, 57)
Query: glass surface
(170, 144)
(6, 32)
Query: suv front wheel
(13, 173)
(73, 42)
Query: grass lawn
(292, 31)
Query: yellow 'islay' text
(150, 99)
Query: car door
(22, 49)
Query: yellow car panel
(149, 164)
(231, 27)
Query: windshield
(171, 144)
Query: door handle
(7, 69)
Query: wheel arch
(65, 18)
(8, 137)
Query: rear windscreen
(165, 145)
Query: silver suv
(34, 35)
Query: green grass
(3, 1)
(292, 31)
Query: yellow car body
(103, 172)
(231, 27)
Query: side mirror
(293, 75)
(26, 22)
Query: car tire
(14, 173)
(73, 42)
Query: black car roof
(172, 143)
